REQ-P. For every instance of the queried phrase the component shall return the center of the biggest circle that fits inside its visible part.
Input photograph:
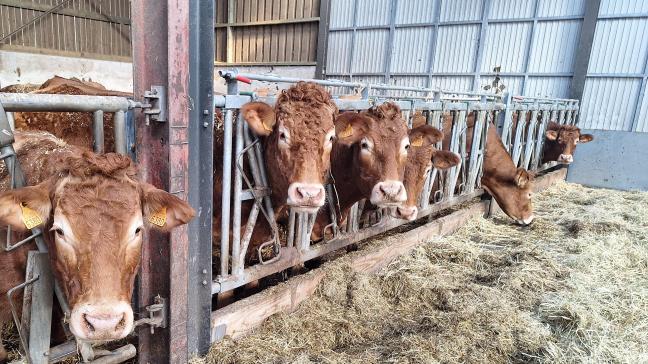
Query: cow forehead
(305, 117)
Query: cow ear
(25, 208)
(443, 159)
(522, 178)
(551, 135)
(424, 136)
(259, 116)
(163, 210)
(585, 138)
(351, 126)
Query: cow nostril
(87, 323)
(122, 323)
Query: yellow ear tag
(265, 126)
(346, 132)
(30, 218)
(159, 218)
(417, 142)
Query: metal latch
(157, 313)
(155, 104)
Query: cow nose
(408, 213)
(566, 158)
(306, 195)
(526, 221)
(101, 322)
(388, 193)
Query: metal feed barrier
(442, 189)
(525, 139)
(34, 325)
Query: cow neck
(345, 177)
(498, 164)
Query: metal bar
(291, 228)
(98, 131)
(279, 79)
(231, 14)
(486, 73)
(322, 38)
(353, 40)
(481, 44)
(245, 240)
(279, 63)
(530, 42)
(393, 5)
(41, 308)
(530, 139)
(11, 120)
(268, 22)
(640, 97)
(236, 196)
(71, 103)
(34, 20)
(584, 49)
(226, 194)
(433, 42)
(119, 122)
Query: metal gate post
(173, 48)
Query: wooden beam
(239, 318)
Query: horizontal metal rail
(62, 103)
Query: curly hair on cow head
(110, 165)
(555, 126)
(388, 110)
(308, 92)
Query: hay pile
(571, 288)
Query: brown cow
(93, 212)
(297, 136)
(561, 142)
(510, 186)
(368, 160)
(73, 127)
(421, 157)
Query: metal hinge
(155, 107)
(157, 313)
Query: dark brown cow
(93, 212)
(561, 142)
(368, 160)
(510, 186)
(421, 157)
(73, 127)
(297, 137)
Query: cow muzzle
(566, 158)
(525, 221)
(388, 194)
(408, 213)
(307, 196)
(104, 322)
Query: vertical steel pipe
(98, 131)
(119, 122)
(238, 186)
(227, 188)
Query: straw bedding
(571, 288)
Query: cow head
(94, 213)
(513, 194)
(299, 134)
(379, 144)
(562, 141)
(421, 157)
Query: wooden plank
(239, 318)
(39, 8)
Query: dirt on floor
(571, 288)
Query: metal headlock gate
(40, 285)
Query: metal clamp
(155, 107)
(157, 315)
(277, 251)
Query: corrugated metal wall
(81, 28)
(455, 44)
(614, 97)
(260, 32)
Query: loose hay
(571, 288)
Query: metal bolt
(205, 112)
(205, 124)
(204, 283)
(204, 271)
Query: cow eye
(283, 136)
(407, 146)
(138, 230)
(364, 145)
(58, 232)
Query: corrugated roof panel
(608, 103)
(370, 47)
(339, 51)
(621, 7)
(507, 9)
(505, 46)
(456, 48)
(341, 13)
(411, 50)
(620, 46)
(373, 12)
(561, 8)
(554, 47)
(642, 123)
(556, 87)
(415, 11)
(414, 81)
(455, 83)
(455, 10)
